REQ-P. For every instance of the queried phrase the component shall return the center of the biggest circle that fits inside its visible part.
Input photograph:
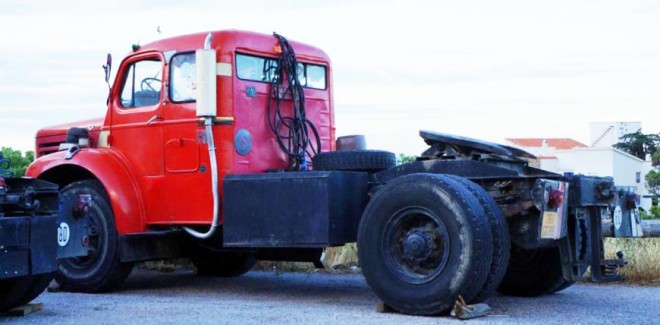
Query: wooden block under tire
(23, 310)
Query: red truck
(221, 147)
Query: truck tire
(423, 240)
(354, 160)
(534, 272)
(19, 291)
(13, 291)
(102, 269)
(218, 264)
(501, 240)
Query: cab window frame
(129, 76)
(173, 83)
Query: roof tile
(557, 143)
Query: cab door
(136, 126)
(137, 114)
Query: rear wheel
(101, 270)
(422, 241)
(534, 272)
(501, 240)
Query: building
(606, 134)
(562, 155)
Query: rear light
(555, 198)
(631, 201)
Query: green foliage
(655, 160)
(639, 144)
(404, 159)
(654, 213)
(653, 182)
(15, 162)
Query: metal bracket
(219, 120)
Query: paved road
(317, 298)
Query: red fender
(109, 168)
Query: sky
(484, 69)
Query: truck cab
(148, 156)
(152, 144)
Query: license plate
(550, 226)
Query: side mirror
(107, 68)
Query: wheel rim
(416, 245)
(94, 240)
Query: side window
(315, 76)
(255, 68)
(182, 78)
(142, 84)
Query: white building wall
(548, 164)
(605, 134)
(626, 170)
(587, 161)
(646, 168)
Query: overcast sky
(485, 69)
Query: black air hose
(292, 132)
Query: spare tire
(355, 160)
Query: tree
(653, 182)
(655, 160)
(639, 144)
(13, 162)
(403, 158)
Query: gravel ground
(317, 298)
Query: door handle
(154, 119)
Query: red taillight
(555, 198)
(631, 201)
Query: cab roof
(228, 41)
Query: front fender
(110, 169)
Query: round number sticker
(618, 217)
(63, 234)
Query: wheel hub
(418, 244)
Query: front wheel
(423, 240)
(101, 270)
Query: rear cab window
(262, 69)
